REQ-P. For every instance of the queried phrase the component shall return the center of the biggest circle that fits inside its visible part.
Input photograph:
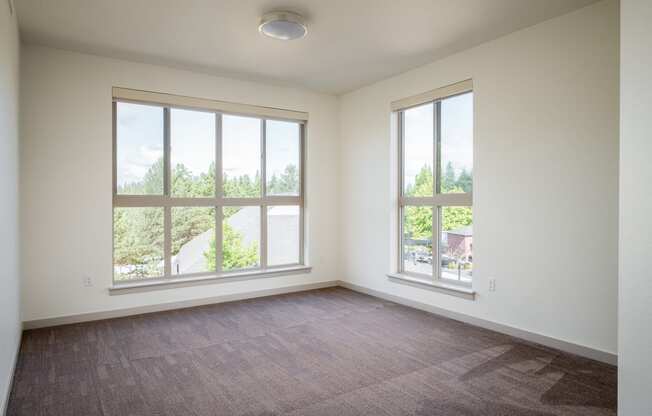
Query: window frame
(167, 201)
(438, 200)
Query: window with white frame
(200, 192)
(435, 134)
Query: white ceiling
(350, 43)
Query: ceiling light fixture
(283, 25)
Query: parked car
(424, 258)
(446, 260)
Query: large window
(436, 185)
(199, 192)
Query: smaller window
(436, 220)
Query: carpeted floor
(322, 352)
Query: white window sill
(167, 283)
(447, 288)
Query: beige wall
(9, 269)
(66, 178)
(546, 176)
(635, 306)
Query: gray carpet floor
(322, 352)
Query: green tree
(242, 186)
(188, 223)
(465, 181)
(448, 180)
(456, 217)
(235, 254)
(418, 220)
(286, 184)
(138, 240)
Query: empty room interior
(343, 207)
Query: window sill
(447, 288)
(168, 283)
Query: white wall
(546, 178)
(635, 305)
(66, 178)
(10, 325)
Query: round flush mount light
(283, 25)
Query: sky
(456, 136)
(192, 140)
(140, 140)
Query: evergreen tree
(287, 184)
(465, 181)
(448, 181)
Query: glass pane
(457, 144)
(417, 239)
(418, 146)
(137, 243)
(192, 140)
(282, 154)
(139, 149)
(282, 235)
(241, 237)
(193, 239)
(241, 156)
(457, 243)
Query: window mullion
(114, 121)
(263, 190)
(302, 190)
(167, 241)
(167, 168)
(401, 179)
(437, 147)
(436, 249)
(263, 236)
(167, 210)
(219, 211)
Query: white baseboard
(118, 313)
(581, 350)
(5, 403)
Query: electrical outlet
(492, 285)
(88, 282)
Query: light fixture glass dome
(283, 25)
